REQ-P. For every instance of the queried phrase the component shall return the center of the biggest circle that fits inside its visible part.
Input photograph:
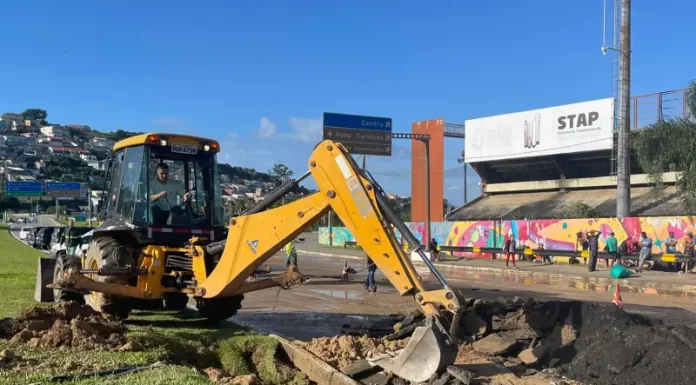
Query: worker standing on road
(70, 238)
(291, 253)
(593, 244)
(370, 281)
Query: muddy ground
(527, 342)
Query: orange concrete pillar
(436, 129)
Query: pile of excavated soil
(342, 351)
(617, 348)
(591, 343)
(65, 324)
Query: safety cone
(617, 297)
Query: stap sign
(579, 127)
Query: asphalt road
(41, 220)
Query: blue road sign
(361, 135)
(24, 189)
(63, 189)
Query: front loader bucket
(44, 277)
(429, 351)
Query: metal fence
(660, 257)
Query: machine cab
(165, 188)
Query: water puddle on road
(342, 294)
(583, 284)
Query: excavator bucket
(429, 351)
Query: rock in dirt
(341, 351)
(495, 344)
(460, 374)
(65, 324)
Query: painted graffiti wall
(558, 234)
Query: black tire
(110, 252)
(175, 301)
(219, 309)
(63, 263)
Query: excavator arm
(363, 208)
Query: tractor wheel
(63, 263)
(110, 252)
(219, 309)
(175, 301)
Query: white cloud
(234, 135)
(266, 128)
(306, 129)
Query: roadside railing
(663, 257)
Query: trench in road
(327, 307)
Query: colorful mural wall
(558, 234)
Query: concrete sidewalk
(647, 279)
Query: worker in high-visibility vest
(291, 253)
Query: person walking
(291, 253)
(370, 281)
(645, 249)
(612, 248)
(689, 251)
(509, 250)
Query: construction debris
(342, 351)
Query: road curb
(534, 274)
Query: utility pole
(463, 161)
(623, 180)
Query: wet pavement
(327, 306)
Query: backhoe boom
(360, 204)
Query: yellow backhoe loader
(163, 238)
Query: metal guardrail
(663, 257)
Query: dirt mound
(591, 343)
(341, 351)
(65, 324)
(617, 348)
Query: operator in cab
(165, 194)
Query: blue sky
(258, 75)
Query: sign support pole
(425, 138)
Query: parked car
(24, 233)
(58, 249)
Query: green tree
(35, 114)
(239, 205)
(667, 146)
(281, 172)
